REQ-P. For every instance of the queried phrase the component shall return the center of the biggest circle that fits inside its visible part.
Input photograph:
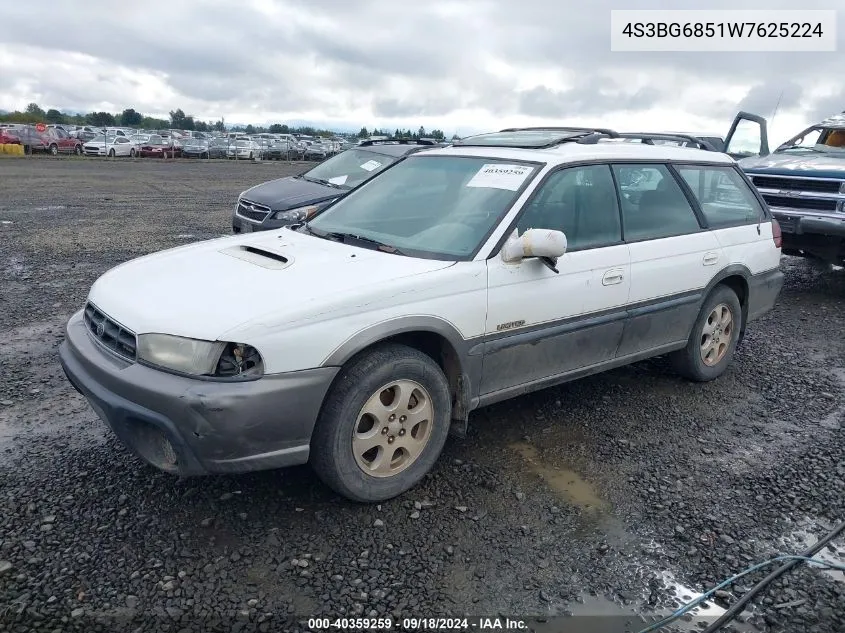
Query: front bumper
(242, 225)
(194, 427)
(797, 223)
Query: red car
(7, 137)
(60, 142)
(153, 147)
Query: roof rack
(400, 141)
(648, 138)
(536, 137)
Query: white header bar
(723, 31)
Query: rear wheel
(383, 425)
(78, 150)
(54, 149)
(714, 337)
(204, 155)
(132, 153)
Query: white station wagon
(457, 278)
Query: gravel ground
(615, 495)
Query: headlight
(200, 358)
(295, 215)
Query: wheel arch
(436, 338)
(736, 278)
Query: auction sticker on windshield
(370, 165)
(499, 176)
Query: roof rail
(554, 136)
(648, 138)
(400, 141)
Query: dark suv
(276, 203)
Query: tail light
(777, 236)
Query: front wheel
(78, 150)
(111, 153)
(54, 149)
(383, 425)
(714, 337)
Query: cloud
(469, 64)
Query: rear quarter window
(723, 195)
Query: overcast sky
(457, 65)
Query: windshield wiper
(321, 181)
(342, 237)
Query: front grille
(796, 184)
(109, 333)
(252, 211)
(813, 204)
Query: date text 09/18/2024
(417, 624)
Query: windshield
(437, 207)
(816, 139)
(350, 168)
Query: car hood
(289, 193)
(217, 288)
(810, 164)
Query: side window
(723, 195)
(581, 202)
(653, 204)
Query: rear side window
(725, 198)
(653, 204)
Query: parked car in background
(243, 148)
(317, 151)
(276, 203)
(107, 145)
(31, 139)
(7, 137)
(152, 147)
(60, 142)
(803, 182)
(280, 149)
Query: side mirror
(545, 244)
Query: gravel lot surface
(614, 495)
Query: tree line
(33, 113)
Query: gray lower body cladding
(195, 427)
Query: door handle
(710, 258)
(613, 276)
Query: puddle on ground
(600, 614)
(569, 484)
(834, 552)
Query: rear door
(673, 257)
(748, 136)
(733, 213)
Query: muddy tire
(383, 424)
(713, 339)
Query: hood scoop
(259, 256)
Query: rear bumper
(194, 427)
(763, 291)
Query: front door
(542, 324)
